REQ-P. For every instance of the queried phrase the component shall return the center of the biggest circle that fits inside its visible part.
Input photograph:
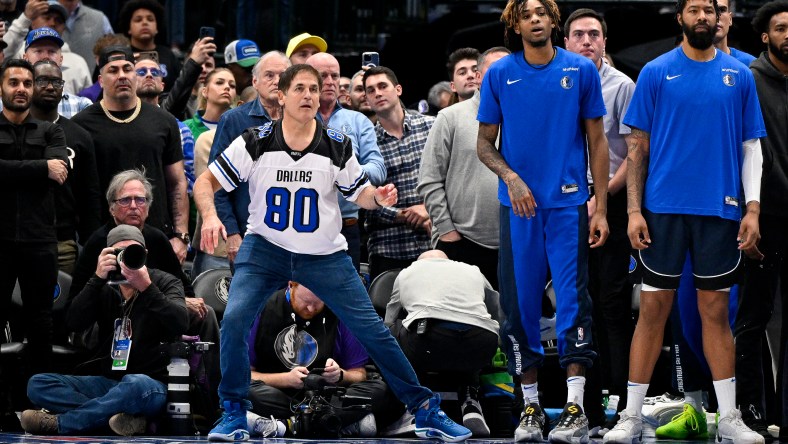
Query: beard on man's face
(8, 103)
(780, 52)
(148, 91)
(699, 39)
(45, 104)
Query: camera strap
(121, 339)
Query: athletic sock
(575, 386)
(636, 393)
(695, 399)
(530, 393)
(726, 395)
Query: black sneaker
(754, 420)
(572, 426)
(531, 424)
(473, 418)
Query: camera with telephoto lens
(316, 416)
(134, 256)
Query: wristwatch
(182, 236)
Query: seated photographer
(135, 316)
(295, 334)
(129, 196)
(449, 325)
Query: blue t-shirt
(697, 114)
(742, 56)
(541, 113)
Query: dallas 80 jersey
(293, 193)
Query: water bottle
(178, 407)
(612, 403)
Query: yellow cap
(305, 39)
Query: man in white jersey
(294, 167)
(692, 106)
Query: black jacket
(78, 201)
(26, 191)
(176, 100)
(158, 315)
(772, 88)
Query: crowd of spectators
(106, 127)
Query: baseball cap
(115, 52)
(55, 5)
(305, 39)
(243, 52)
(124, 232)
(42, 34)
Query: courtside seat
(380, 290)
(214, 287)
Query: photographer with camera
(129, 196)
(300, 355)
(134, 319)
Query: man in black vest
(297, 334)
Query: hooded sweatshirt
(772, 86)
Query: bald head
(433, 254)
(328, 67)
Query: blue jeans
(261, 268)
(204, 261)
(87, 402)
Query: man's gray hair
(434, 96)
(259, 65)
(123, 177)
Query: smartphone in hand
(207, 31)
(370, 59)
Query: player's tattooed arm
(520, 196)
(637, 167)
(489, 154)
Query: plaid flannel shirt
(402, 157)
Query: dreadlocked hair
(513, 12)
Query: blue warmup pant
(553, 240)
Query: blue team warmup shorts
(710, 240)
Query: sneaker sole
(128, 427)
(633, 440)
(237, 435)
(429, 432)
(720, 440)
(475, 423)
(529, 437)
(663, 435)
(559, 437)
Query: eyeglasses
(141, 201)
(42, 82)
(142, 72)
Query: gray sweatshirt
(460, 192)
(443, 289)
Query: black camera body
(316, 417)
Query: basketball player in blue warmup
(295, 167)
(693, 107)
(545, 101)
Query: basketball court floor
(17, 438)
